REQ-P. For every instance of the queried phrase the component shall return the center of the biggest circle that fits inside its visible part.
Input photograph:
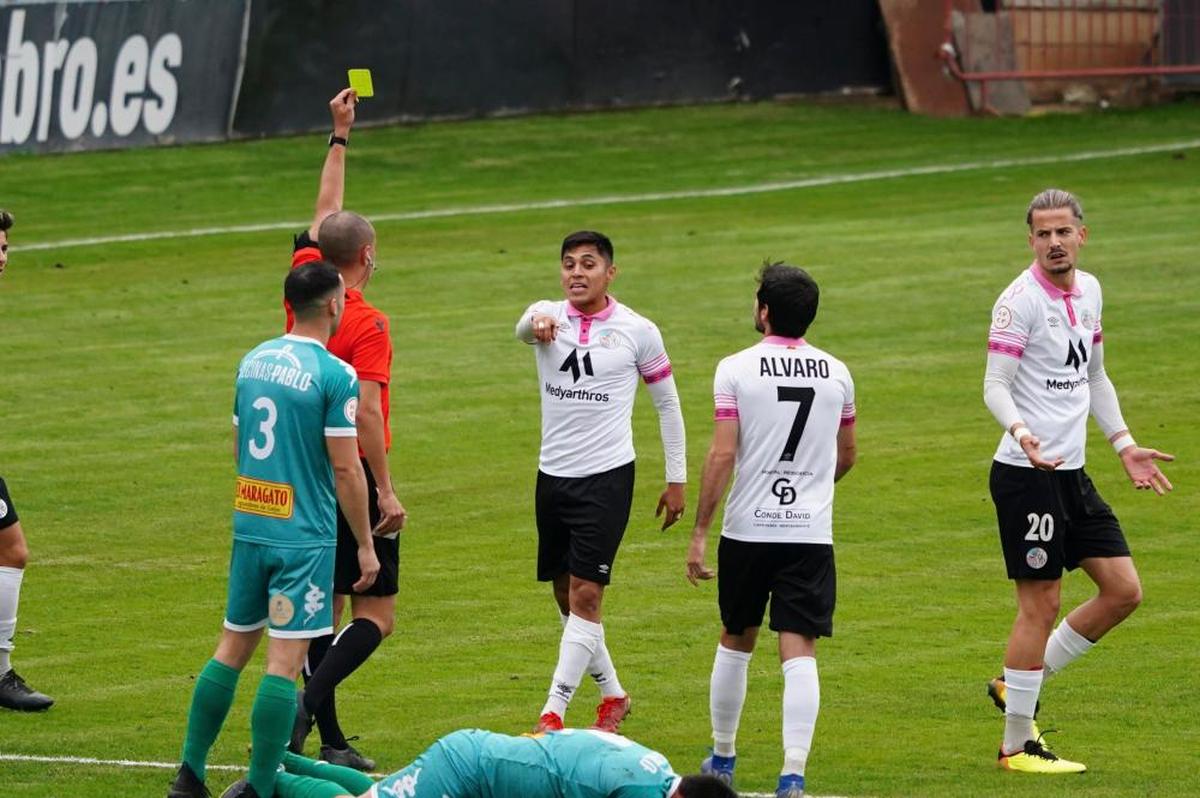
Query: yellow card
(360, 81)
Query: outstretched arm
(333, 174)
(1139, 462)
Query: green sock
(270, 730)
(289, 786)
(211, 700)
(354, 781)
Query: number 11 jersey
(789, 399)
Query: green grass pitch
(118, 361)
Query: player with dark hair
(347, 240)
(14, 555)
(472, 763)
(294, 444)
(1045, 373)
(785, 430)
(590, 351)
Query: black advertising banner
(454, 58)
(118, 73)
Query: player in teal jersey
(472, 763)
(296, 449)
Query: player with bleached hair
(14, 555)
(1045, 374)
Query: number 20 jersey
(789, 399)
(291, 394)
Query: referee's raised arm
(333, 173)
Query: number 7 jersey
(789, 399)
(291, 394)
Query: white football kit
(588, 378)
(789, 399)
(1051, 333)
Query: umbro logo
(1076, 357)
(571, 364)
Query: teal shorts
(290, 591)
(448, 767)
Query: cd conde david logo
(52, 87)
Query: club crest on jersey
(3, 508)
(1088, 319)
(351, 409)
(609, 339)
(1002, 317)
(1036, 558)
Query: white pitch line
(88, 760)
(139, 763)
(628, 199)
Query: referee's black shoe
(15, 694)
(188, 785)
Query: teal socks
(215, 687)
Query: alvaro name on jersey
(291, 394)
(1052, 333)
(789, 399)
(589, 375)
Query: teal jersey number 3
(291, 394)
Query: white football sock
(726, 696)
(1064, 647)
(601, 668)
(801, 702)
(1021, 697)
(10, 594)
(575, 650)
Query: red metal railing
(1080, 39)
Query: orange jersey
(362, 339)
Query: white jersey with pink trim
(1051, 332)
(789, 399)
(588, 377)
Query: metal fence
(1083, 40)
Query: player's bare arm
(371, 438)
(350, 484)
(847, 451)
(333, 174)
(718, 468)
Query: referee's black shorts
(800, 579)
(345, 569)
(581, 521)
(8, 511)
(1051, 520)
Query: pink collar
(1052, 290)
(601, 316)
(780, 340)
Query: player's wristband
(336, 139)
(1123, 442)
(1021, 432)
